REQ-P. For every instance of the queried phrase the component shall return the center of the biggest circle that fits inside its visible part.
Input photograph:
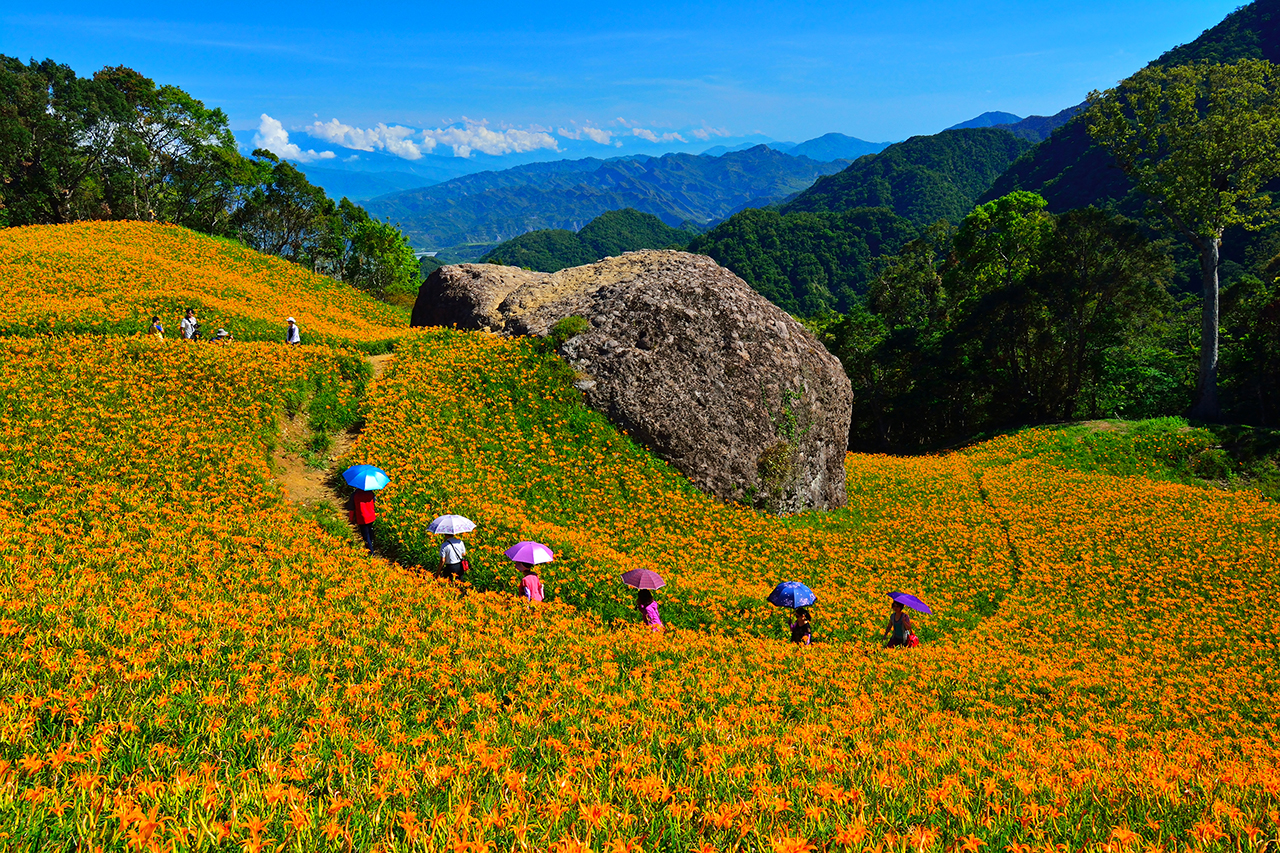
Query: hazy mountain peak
(988, 119)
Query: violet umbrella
(909, 600)
(643, 579)
(532, 553)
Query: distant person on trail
(156, 329)
(648, 610)
(801, 629)
(292, 335)
(363, 514)
(899, 626)
(530, 585)
(190, 326)
(453, 557)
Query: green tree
(282, 213)
(1202, 141)
(55, 129)
(171, 158)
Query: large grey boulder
(687, 358)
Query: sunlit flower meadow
(191, 662)
(112, 277)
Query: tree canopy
(119, 146)
(1202, 142)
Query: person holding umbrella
(798, 597)
(644, 582)
(526, 555)
(365, 480)
(453, 552)
(899, 626)
(530, 584)
(801, 629)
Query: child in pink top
(530, 584)
(648, 609)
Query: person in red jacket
(363, 514)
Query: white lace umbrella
(446, 524)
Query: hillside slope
(808, 264)
(924, 179)
(113, 276)
(496, 206)
(190, 661)
(1070, 171)
(609, 234)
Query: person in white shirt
(190, 326)
(292, 335)
(452, 555)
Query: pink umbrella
(643, 579)
(530, 552)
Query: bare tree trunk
(1205, 407)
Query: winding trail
(302, 483)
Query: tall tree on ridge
(1202, 141)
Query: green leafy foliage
(119, 146)
(806, 263)
(924, 179)
(1015, 317)
(1201, 141)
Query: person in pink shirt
(648, 609)
(530, 584)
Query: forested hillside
(607, 235)
(924, 179)
(1069, 171)
(806, 263)
(492, 207)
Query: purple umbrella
(530, 552)
(909, 600)
(643, 579)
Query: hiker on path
(363, 514)
(190, 326)
(899, 626)
(801, 629)
(648, 610)
(292, 335)
(530, 585)
(453, 554)
(156, 329)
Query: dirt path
(304, 484)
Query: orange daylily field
(193, 662)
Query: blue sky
(606, 71)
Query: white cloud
(595, 134)
(272, 136)
(705, 133)
(394, 140)
(650, 136)
(476, 136)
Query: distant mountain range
(923, 179)
(490, 207)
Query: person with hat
(222, 336)
(291, 333)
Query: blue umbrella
(792, 594)
(367, 477)
(909, 600)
